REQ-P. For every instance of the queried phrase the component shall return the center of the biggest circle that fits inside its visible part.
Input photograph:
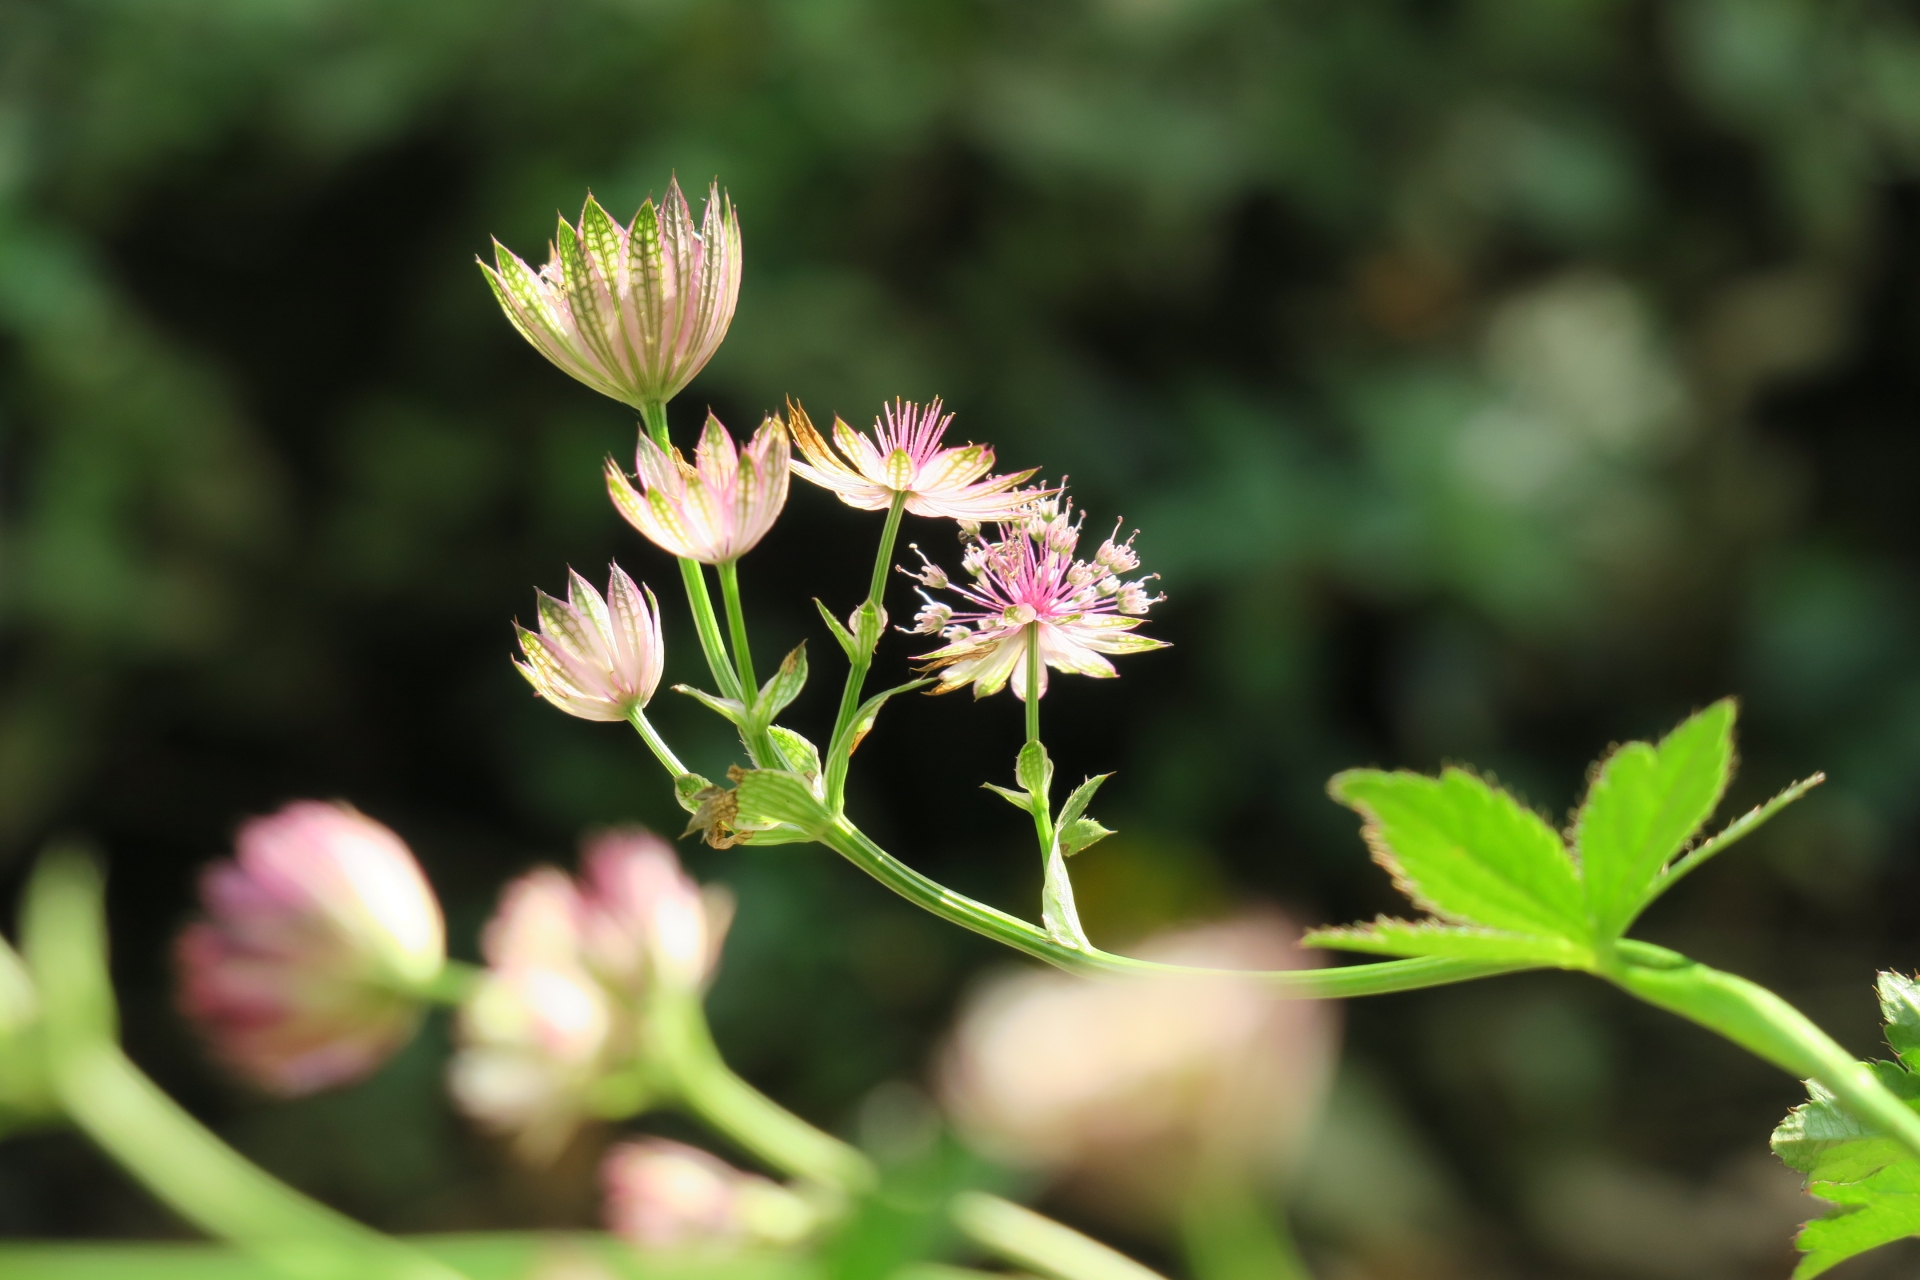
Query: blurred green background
(1490, 380)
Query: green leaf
(1468, 852)
(840, 633)
(1034, 770)
(732, 709)
(801, 756)
(1873, 1179)
(1081, 833)
(869, 711)
(783, 686)
(1077, 802)
(688, 789)
(1389, 937)
(1645, 803)
(1018, 799)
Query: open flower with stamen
(593, 657)
(904, 456)
(1027, 589)
(636, 311)
(718, 507)
(318, 935)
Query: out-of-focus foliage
(1488, 378)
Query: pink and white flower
(715, 510)
(570, 966)
(904, 456)
(319, 934)
(667, 1195)
(599, 659)
(1028, 590)
(634, 312)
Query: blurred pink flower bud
(319, 932)
(667, 1195)
(904, 456)
(1131, 1087)
(535, 1031)
(646, 919)
(599, 659)
(716, 509)
(634, 312)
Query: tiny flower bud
(969, 530)
(932, 618)
(663, 1195)
(956, 634)
(318, 933)
(1108, 585)
(1133, 599)
(1081, 575)
(1117, 557)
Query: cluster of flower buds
(320, 937)
(633, 312)
(1027, 590)
(571, 964)
(662, 1195)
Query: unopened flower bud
(955, 634)
(646, 920)
(1109, 585)
(716, 509)
(319, 933)
(599, 659)
(932, 618)
(1080, 575)
(974, 561)
(1061, 535)
(666, 1195)
(1133, 599)
(1117, 557)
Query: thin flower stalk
(633, 312)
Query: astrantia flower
(903, 455)
(1028, 589)
(634, 312)
(714, 510)
(666, 1195)
(595, 658)
(569, 966)
(318, 933)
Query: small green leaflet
(1498, 883)
(1873, 1179)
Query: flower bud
(319, 932)
(716, 509)
(646, 920)
(1132, 1089)
(667, 1195)
(932, 618)
(1133, 599)
(1117, 557)
(599, 659)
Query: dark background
(1489, 379)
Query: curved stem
(861, 659)
(201, 1178)
(709, 1088)
(653, 415)
(1019, 1235)
(657, 744)
(1309, 984)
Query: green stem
(1021, 1236)
(451, 986)
(651, 736)
(1763, 1024)
(149, 1134)
(1231, 1232)
(653, 415)
(861, 660)
(710, 1089)
(1033, 682)
(729, 572)
(1310, 984)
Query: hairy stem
(861, 660)
(149, 1134)
(654, 414)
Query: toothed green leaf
(1646, 802)
(1082, 796)
(1081, 833)
(840, 633)
(1468, 852)
(783, 686)
(1874, 1180)
(1455, 942)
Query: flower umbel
(634, 312)
(714, 510)
(904, 456)
(1028, 589)
(319, 931)
(595, 658)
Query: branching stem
(861, 660)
